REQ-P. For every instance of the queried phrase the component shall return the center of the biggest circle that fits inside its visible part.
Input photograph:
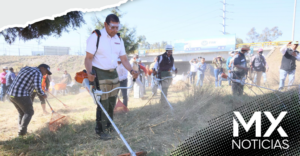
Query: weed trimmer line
(96, 94)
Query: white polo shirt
(109, 49)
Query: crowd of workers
(108, 65)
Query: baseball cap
(259, 50)
(169, 47)
(47, 67)
(295, 42)
(5, 68)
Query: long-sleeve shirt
(227, 62)
(28, 79)
(9, 77)
(217, 63)
(202, 68)
(160, 59)
(2, 78)
(122, 72)
(284, 49)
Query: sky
(171, 20)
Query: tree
(253, 36)
(239, 41)
(41, 29)
(270, 35)
(163, 44)
(127, 34)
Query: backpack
(98, 33)
(261, 66)
(82, 74)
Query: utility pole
(224, 17)
(293, 31)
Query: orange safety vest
(44, 82)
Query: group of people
(109, 67)
(238, 67)
(6, 79)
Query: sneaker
(105, 136)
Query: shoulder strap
(98, 38)
(119, 36)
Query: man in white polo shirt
(104, 62)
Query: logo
(258, 143)
(117, 43)
(204, 43)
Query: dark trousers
(124, 91)
(192, 77)
(107, 80)
(25, 109)
(39, 96)
(237, 88)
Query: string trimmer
(158, 81)
(96, 94)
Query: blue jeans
(229, 80)
(200, 78)
(3, 92)
(217, 72)
(124, 91)
(283, 75)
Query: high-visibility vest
(44, 82)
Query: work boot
(105, 136)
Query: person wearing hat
(123, 73)
(3, 83)
(259, 65)
(288, 63)
(218, 63)
(240, 70)
(28, 79)
(163, 67)
(104, 61)
(134, 63)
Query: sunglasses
(114, 26)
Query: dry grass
(148, 126)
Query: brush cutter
(96, 94)
(242, 82)
(56, 119)
(157, 82)
(58, 100)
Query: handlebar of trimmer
(169, 77)
(99, 92)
